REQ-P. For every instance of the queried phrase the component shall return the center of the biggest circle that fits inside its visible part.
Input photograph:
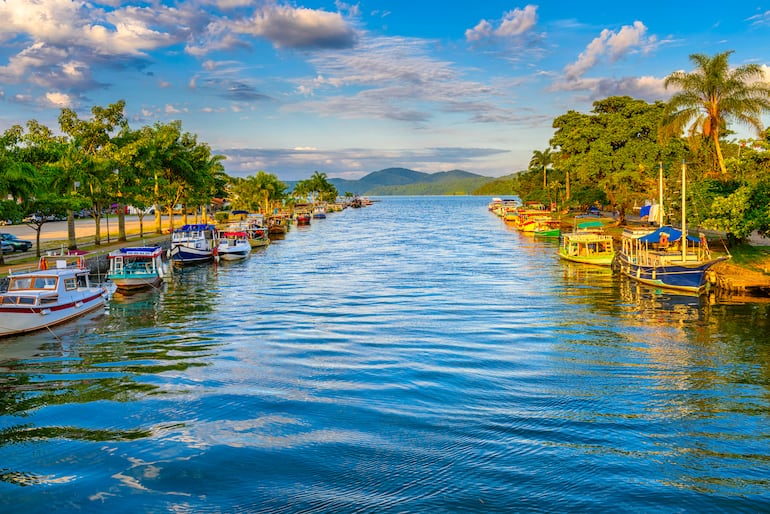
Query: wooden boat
(302, 218)
(587, 248)
(277, 224)
(667, 257)
(193, 244)
(58, 291)
(664, 258)
(548, 228)
(233, 246)
(133, 268)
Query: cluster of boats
(659, 256)
(60, 288)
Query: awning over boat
(672, 233)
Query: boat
(58, 291)
(667, 257)
(587, 248)
(193, 244)
(233, 246)
(319, 211)
(302, 217)
(548, 228)
(136, 267)
(277, 224)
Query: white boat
(193, 244)
(58, 291)
(136, 267)
(233, 246)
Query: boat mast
(684, 214)
(660, 194)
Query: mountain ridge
(403, 181)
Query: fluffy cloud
(611, 44)
(514, 23)
(290, 27)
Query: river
(416, 355)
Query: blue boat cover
(195, 228)
(673, 236)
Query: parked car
(15, 244)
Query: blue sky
(351, 88)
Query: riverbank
(746, 273)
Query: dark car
(16, 244)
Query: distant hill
(402, 181)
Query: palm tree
(542, 160)
(713, 94)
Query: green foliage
(741, 212)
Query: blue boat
(193, 244)
(136, 267)
(662, 258)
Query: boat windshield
(19, 283)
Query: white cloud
(58, 100)
(611, 44)
(514, 23)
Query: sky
(351, 88)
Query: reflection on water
(391, 358)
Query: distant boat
(233, 246)
(60, 290)
(133, 268)
(319, 211)
(193, 244)
(666, 257)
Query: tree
(541, 161)
(94, 139)
(713, 94)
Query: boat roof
(195, 227)
(136, 251)
(672, 233)
(587, 237)
(590, 224)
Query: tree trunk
(158, 220)
(720, 158)
(73, 241)
(121, 222)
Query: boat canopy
(195, 228)
(590, 224)
(672, 233)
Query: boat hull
(596, 260)
(134, 282)
(20, 320)
(689, 278)
(182, 255)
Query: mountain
(402, 181)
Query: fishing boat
(193, 244)
(133, 268)
(587, 248)
(667, 257)
(233, 246)
(58, 291)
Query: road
(57, 230)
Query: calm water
(413, 356)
